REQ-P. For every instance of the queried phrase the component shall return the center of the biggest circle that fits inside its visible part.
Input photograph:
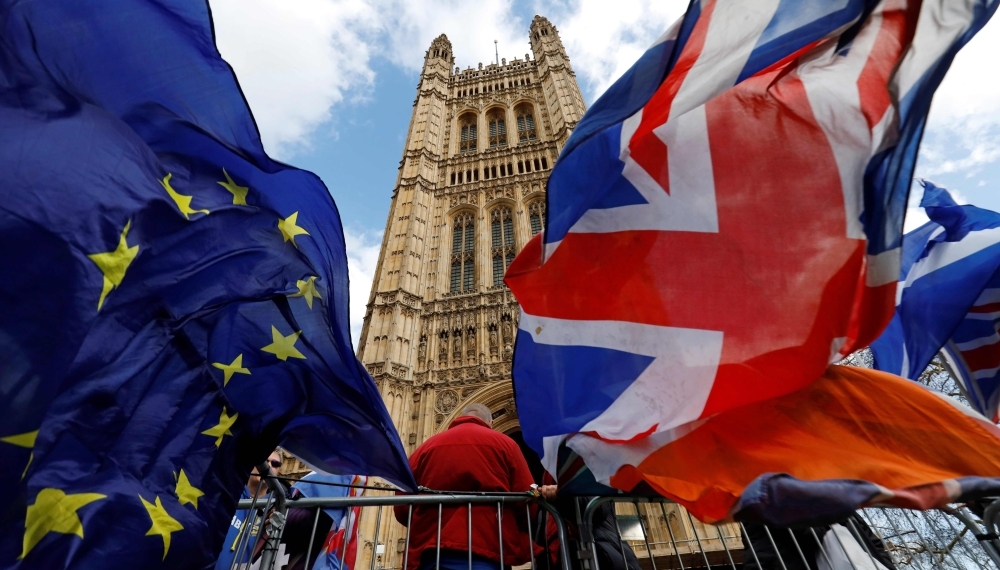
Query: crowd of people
(470, 457)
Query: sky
(332, 83)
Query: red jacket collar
(468, 420)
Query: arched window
(468, 136)
(525, 123)
(536, 213)
(463, 253)
(498, 129)
(502, 242)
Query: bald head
(479, 411)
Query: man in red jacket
(469, 456)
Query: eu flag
(173, 303)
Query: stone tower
(439, 327)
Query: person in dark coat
(756, 536)
(612, 552)
(469, 457)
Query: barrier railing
(657, 534)
(625, 533)
(262, 546)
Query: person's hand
(548, 492)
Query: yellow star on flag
(283, 346)
(26, 440)
(236, 367)
(289, 229)
(239, 192)
(307, 289)
(186, 492)
(113, 264)
(163, 523)
(54, 511)
(221, 429)
(183, 202)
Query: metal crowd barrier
(664, 536)
(659, 534)
(256, 550)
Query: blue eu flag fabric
(173, 303)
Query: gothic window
(498, 129)
(525, 123)
(537, 165)
(468, 135)
(536, 212)
(527, 165)
(510, 169)
(463, 253)
(545, 164)
(502, 242)
(493, 171)
(453, 178)
(503, 170)
(520, 167)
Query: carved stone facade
(440, 324)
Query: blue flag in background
(949, 297)
(174, 303)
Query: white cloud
(362, 260)
(963, 129)
(410, 25)
(295, 60)
(603, 39)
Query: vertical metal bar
(776, 551)
(531, 538)
(378, 523)
(273, 523)
(241, 536)
(698, 538)
(958, 537)
(900, 535)
(621, 540)
(642, 527)
(944, 543)
(747, 543)
(864, 545)
(469, 512)
(437, 562)
(406, 547)
(822, 549)
(673, 541)
(798, 548)
(726, 547)
(260, 529)
(587, 530)
(312, 537)
(500, 527)
(842, 547)
(560, 534)
(906, 514)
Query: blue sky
(332, 83)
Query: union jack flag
(949, 298)
(727, 219)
